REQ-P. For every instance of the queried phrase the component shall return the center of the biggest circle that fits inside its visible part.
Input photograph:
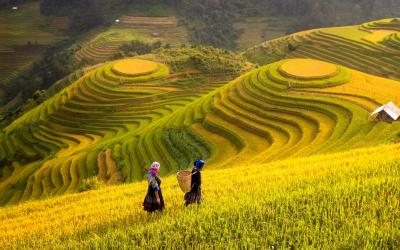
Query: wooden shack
(387, 113)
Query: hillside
(294, 157)
(370, 47)
(100, 46)
(70, 131)
(24, 36)
(255, 30)
(113, 121)
(344, 200)
(213, 22)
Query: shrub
(88, 184)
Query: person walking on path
(154, 200)
(195, 195)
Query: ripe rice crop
(308, 69)
(134, 67)
(360, 47)
(329, 201)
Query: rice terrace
(292, 143)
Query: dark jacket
(196, 181)
(150, 201)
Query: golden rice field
(111, 123)
(134, 67)
(343, 200)
(371, 48)
(308, 69)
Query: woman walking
(195, 195)
(154, 200)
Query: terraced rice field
(167, 29)
(138, 21)
(386, 24)
(102, 47)
(23, 27)
(52, 148)
(368, 48)
(16, 60)
(112, 124)
(105, 44)
(392, 40)
(259, 29)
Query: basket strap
(191, 176)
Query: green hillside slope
(69, 137)
(368, 47)
(24, 35)
(113, 121)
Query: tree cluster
(57, 62)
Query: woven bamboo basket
(185, 180)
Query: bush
(206, 59)
(91, 183)
(139, 48)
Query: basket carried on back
(185, 180)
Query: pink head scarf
(154, 167)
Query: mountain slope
(24, 36)
(113, 121)
(363, 47)
(70, 137)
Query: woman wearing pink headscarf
(154, 200)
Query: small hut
(387, 113)
(15, 8)
(117, 21)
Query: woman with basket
(195, 195)
(154, 200)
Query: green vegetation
(255, 30)
(56, 63)
(353, 46)
(205, 59)
(299, 127)
(184, 145)
(24, 36)
(265, 115)
(137, 47)
(68, 131)
(127, 35)
(212, 22)
(392, 40)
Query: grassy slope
(102, 43)
(17, 29)
(344, 200)
(26, 24)
(259, 29)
